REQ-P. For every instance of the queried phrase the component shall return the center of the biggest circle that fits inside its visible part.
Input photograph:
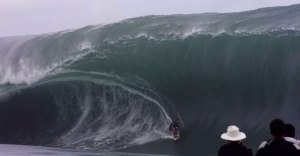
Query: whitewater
(114, 89)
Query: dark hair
(289, 130)
(277, 127)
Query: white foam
(110, 134)
(27, 70)
(84, 45)
(65, 32)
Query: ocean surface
(117, 87)
(25, 150)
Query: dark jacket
(234, 149)
(278, 147)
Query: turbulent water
(109, 87)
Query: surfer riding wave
(175, 129)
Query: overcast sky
(19, 17)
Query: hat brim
(240, 136)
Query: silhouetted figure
(235, 146)
(174, 125)
(289, 135)
(174, 128)
(277, 146)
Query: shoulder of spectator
(263, 144)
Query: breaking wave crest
(114, 86)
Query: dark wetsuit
(174, 126)
(234, 149)
(278, 147)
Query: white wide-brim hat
(233, 134)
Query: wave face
(113, 86)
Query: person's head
(289, 130)
(277, 127)
(233, 134)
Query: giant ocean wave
(113, 86)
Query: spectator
(289, 135)
(234, 147)
(277, 146)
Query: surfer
(175, 129)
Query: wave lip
(29, 59)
